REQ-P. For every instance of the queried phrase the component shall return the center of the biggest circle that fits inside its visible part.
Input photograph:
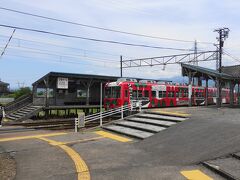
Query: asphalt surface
(208, 134)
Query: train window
(177, 94)
(112, 92)
(134, 94)
(139, 93)
(160, 94)
(116, 92)
(154, 94)
(146, 94)
(164, 94)
(108, 92)
(170, 94)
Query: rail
(82, 119)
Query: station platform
(174, 153)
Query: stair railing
(82, 119)
(18, 103)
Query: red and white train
(158, 94)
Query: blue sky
(26, 61)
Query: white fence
(82, 120)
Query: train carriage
(157, 94)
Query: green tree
(22, 91)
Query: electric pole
(195, 53)
(223, 35)
(121, 69)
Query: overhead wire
(92, 39)
(100, 28)
(59, 61)
(58, 54)
(4, 49)
(231, 56)
(60, 46)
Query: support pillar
(238, 94)
(206, 93)
(190, 89)
(231, 93)
(219, 93)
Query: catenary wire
(100, 28)
(93, 39)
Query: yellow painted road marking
(81, 167)
(57, 143)
(30, 137)
(195, 175)
(84, 140)
(173, 113)
(113, 136)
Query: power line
(66, 47)
(93, 39)
(231, 56)
(99, 28)
(4, 49)
(61, 61)
(54, 53)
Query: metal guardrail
(18, 103)
(82, 120)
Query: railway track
(59, 124)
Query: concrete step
(228, 167)
(30, 108)
(129, 131)
(141, 126)
(25, 110)
(161, 117)
(11, 117)
(168, 113)
(20, 113)
(15, 115)
(151, 121)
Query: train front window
(112, 92)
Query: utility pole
(195, 53)
(223, 35)
(121, 66)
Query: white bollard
(76, 124)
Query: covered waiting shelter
(220, 79)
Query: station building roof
(86, 76)
(198, 71)
(74, 75)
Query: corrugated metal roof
(206, 71)
(232, 70)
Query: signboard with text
(62, 83)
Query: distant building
(4, 88)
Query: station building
(64, 89)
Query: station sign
(62, 83)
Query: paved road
(209, 133)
